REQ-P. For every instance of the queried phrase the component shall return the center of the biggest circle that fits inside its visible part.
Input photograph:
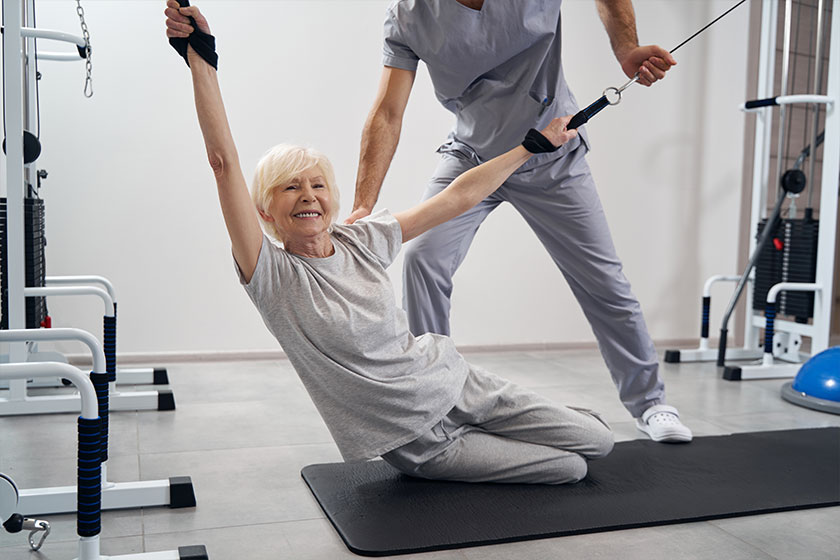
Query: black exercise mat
(378, 511)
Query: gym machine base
(175, 492)
(89, 468)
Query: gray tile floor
(243, 431)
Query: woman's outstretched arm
(473, 186)
(238, 209)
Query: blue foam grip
(89, 495)
(756, 103)
(769, 320)
(704, 320)
(100, 383)
(109, 340)
(820, 376)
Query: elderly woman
(327, 298)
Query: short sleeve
(266, 280)
(380, 233)
(395, 52)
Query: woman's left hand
(556, 131)
(178, 20)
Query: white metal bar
(818, 74)
(709, 355)
(167, 555)
(828, 196)
(775, 371)
(31, 88)
(804, 98)
(782, 100)
(707, 287)
(761, 151)
(13, 96)
(60, 404)
(82, 279)
(49, 55)
(119, 495)
(53, 35)
(49, 291)
(89, 404)
(782, 126)
(38, 335)
(773, 292)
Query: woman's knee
(571, 469)
(603, 442)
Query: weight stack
(34, 262)
(790, 256)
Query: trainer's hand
(357, 214)
(178, 20)
(556, 131)
(651, 62)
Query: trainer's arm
(474, 185)
(380, 138)
(650, 61)
(238, 209)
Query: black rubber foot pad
(732, 373)
(181, 493)
(672, 356)
(194, 552)
(378, 512)
(166, 400)
(160, 376)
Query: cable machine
(24, 280)
(95, 492)
(788, 281)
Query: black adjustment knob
(14, 524)
(793, 181)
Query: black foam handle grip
(584, 115)
(579, 119)
(756, 103)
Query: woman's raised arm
(238, 209)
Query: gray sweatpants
(500, 432)
(560, 203)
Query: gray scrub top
(498, 69)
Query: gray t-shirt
(499, 70)
(376, 386)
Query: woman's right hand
(178, 20)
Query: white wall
(129, 194)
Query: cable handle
(756, 103)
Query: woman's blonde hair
(279, 166)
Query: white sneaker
(662, 423)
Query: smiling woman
(327, 298)
(295, 193)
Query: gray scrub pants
(500, 432)
(559, 202)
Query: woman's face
(301, 207)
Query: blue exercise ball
(820, 376)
